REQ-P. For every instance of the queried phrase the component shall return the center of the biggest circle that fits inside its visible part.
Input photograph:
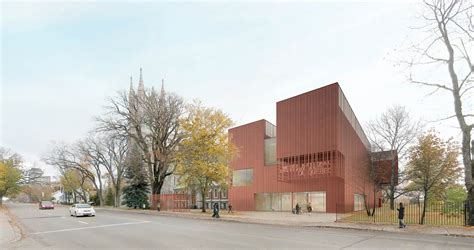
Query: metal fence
(442, 214)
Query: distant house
(60, 196)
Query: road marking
(63, 217)
(82, 228)
(83, 222)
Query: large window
(224, 194)
(270, 151)
(358, 202)
(243, 177)
(270, 130)
(283, 201)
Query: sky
(60, 61)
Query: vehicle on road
(46, 205)
(81, 210)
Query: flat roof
(251, 123)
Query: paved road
(117, 229)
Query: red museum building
(319, 155)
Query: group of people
(297, 209)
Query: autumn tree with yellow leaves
(9, 179)
(206, 150)
(432, 166)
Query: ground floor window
(358, 202)
(287, 201)
(222, 205)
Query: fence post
(466, 212)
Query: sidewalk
(8, 231)
(322, 220)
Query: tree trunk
(465, 128)
(101, 199)
(425, 202)
(392, 197)
(117, 195)
(392, 181)
(203, 199)
(470, 196)
(156, 192)
(1, 200)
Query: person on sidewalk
(298, 208)
(309, 208)
(230, 208)
(401, 215)
(215, 211)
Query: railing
(440, 214)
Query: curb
(15, 227)
(244, 220)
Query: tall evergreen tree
(137, 191)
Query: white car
(81, 210)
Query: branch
(452, 116)
(430, 84)
(464, 81)
(466, 90)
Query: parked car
(46, 205)
(81, 210)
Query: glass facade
(270, 151)
(270, 130)
(243, 177)
(287, 201)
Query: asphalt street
(122, 229)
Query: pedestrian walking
(298, 208)
(230, 208)
(215, 211)
(309, 208)
(401, 215)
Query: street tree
(135, 193)
(372, 177)
(449, 39)
(393, 131)
(432, 166)
(108, 151)
(150, 119)
(205, 150)
(74, 181)
(77, 156)
(455, 195)
(10, 177)
(6, 155)
(28, 176)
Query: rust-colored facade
(321, 156)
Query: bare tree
(449, 42)
(8, 155)
(151, 121)
(76, 157)
(394, 130)
(109, 151)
